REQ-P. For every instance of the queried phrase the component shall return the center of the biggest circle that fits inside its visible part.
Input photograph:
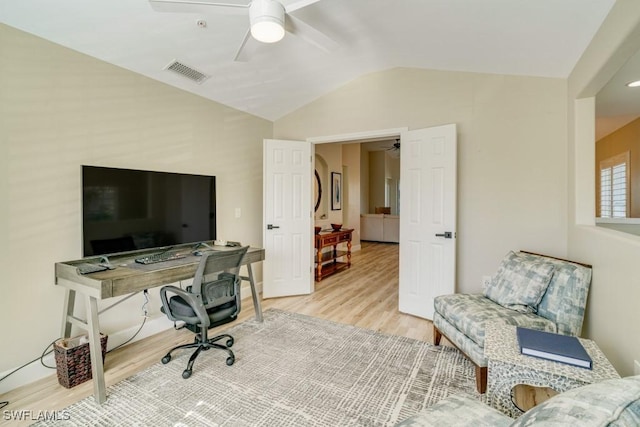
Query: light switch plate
(636, 367)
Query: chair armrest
(237, 285)
(194, 300)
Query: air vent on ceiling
(186, 71)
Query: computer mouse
(197, 253)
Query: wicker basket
(73, 359)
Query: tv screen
(126, 209)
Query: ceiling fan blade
(247, 48)
(305, 31)
(199, 6)
(297, 4)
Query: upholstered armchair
(529, 290)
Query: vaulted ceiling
(522, 37)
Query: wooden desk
(128, 278)
(326, 261)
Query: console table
(327, 261)
(128, 278)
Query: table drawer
(329, 240)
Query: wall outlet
(636, 367)
(485, 281)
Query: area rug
(291, 370)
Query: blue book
(556, 347)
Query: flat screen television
(126, 209)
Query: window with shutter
(614, 187)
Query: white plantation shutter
(619, 191)
(614, 187)
(605, 192)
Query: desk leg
(69, 304)
(254, 294)
(97, 367)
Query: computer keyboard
(87, 268)
(159, 257)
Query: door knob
(446, 235)
(271, 226)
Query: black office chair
(212, 300)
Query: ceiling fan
(268, 20)
(395, 146)
(394, 150)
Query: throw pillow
(519, 283)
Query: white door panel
(287, 218)
(428, 206)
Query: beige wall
(344, 159)
(351, 172)
(60, 109)
(393, 177)
(613, 318)
(382, 168)
(332, 154)
(512, 184)
(364, 181)
(377, 178)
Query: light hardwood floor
(366, 295)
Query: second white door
(287, 268)
(427, 218)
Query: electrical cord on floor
(41, 358)
(3, 404)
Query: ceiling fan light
(267, 31)
(267, 20)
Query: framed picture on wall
(336, 191)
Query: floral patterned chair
(529, 290)
(608, 403)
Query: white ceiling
(522, 37)
(617, 104)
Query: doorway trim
(355, 136)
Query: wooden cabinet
(327, 252)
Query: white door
(287, 268)
(428, 218)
